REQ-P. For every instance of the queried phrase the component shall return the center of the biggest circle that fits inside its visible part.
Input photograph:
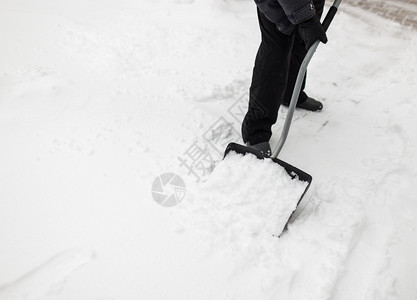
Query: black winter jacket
(287, 13)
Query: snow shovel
(293, 172)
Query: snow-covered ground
(99, 98)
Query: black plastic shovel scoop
(293, 172)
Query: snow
(99, 99)
(251, 192)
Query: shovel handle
(330, 15)
(300, 77)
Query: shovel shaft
(300, 77)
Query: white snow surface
(98, 98)
(256, 194)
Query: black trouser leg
(269, 80)
(297, 57)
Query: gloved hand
(311, 31)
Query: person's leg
(269, 80)
(297, 56)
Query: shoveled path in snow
(401, 11)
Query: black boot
(308, 104)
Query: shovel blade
(293, 172)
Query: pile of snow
(252, 194)
(97, 99)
